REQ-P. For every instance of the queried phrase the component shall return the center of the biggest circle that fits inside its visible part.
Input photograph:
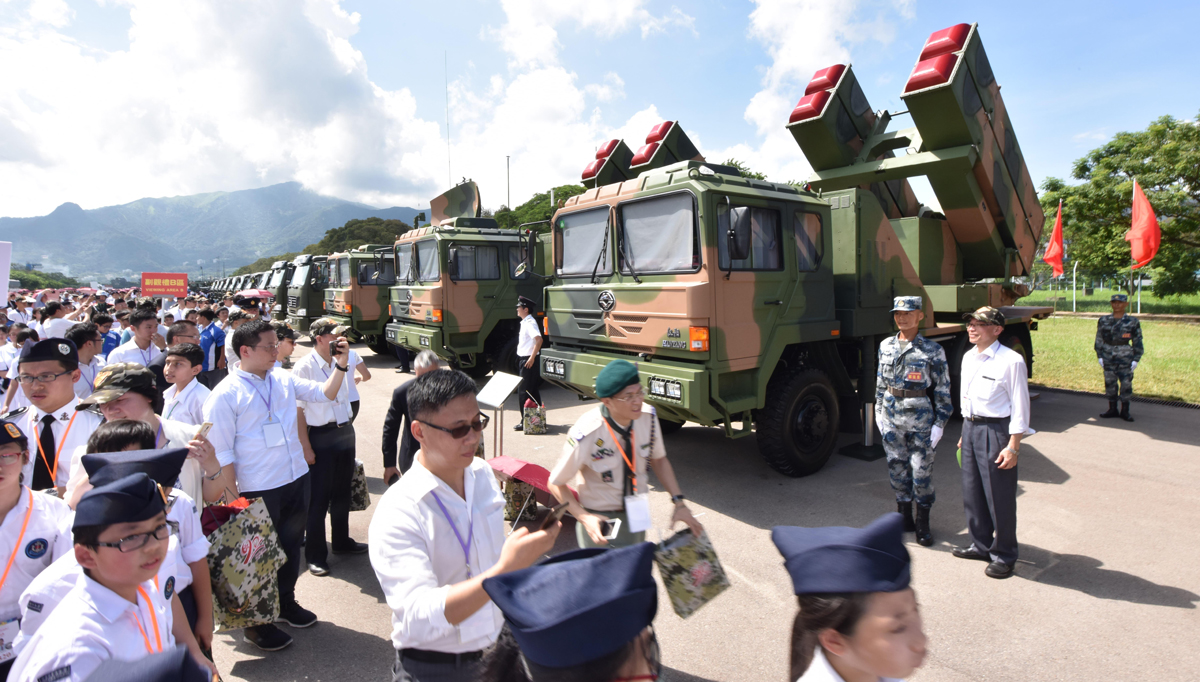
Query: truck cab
(306, 290)
(277, 283)
(357, 293)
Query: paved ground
(1106, 587)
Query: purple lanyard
(158, 438)
(466, 546)
(266, 399)
(147, 354)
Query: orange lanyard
(153, 621)
(20, 537)
(53, 470)
(632, 444)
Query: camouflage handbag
(690, 571)
(360, 495)
(534, 418)
(244, 559)
(519, 504)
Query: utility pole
(508, 180)
(446, 71)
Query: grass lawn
(1098, 302)
(1063, 357)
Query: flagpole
(1139, 312)
(1074, 270)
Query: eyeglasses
(269, 347)
(136, 542)
(48, 377)
(12, 457)
(461, 431)
(639, 395)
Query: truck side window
(403, 262)
(478, 262)
(766, 243)
(516, 256)
(810, 244)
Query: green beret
(615, 376)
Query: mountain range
(186, 233)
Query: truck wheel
(379, 344)
(668, 427)
(481, 368)
(506, 359)
(798, 427)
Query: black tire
(506, 359)
(379, 344)
(480, 370)
(668, 427)
(797, 430)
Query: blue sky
(121, 99)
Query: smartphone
(610, 528)
(332, 348)
(554, 516)
(204, 429)
(393, 479)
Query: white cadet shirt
(324, 413)
(417, 556)
(56, 327)
(93, 624)
(87, 376)
(351, 366)
(995, 384)
(238, 410)
(592, 463)
(188, 406)
(129, 352)
(819, 670)
(15, 316)
(19, 400)
(186, 547)
(526, 339)
(70, 438)
(44, 540)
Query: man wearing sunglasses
(439, 532)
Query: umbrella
(256, 293)
(86, 290)
(526, 472)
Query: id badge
(273, 433)
(481, 624)
(637, 512)
(8, 633)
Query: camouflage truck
(277, 284)
(759, 306)
(357, 293)
(457, 283)
(306, 290)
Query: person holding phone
(605, 459)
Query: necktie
(41, 475)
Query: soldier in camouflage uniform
(911, 427)
(1119, 348)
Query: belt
(903, 393)
(440, 656)
(986, 420)
(329, 426)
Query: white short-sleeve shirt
(33, 546)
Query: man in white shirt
(529, 342)
(19, 313)
(184, 400)
(57, 324)
(995, 405)
(439, 532)
(254, 412)
(146, 342)
(88, 339)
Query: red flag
(1054, 250)
(1143, 236)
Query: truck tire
(379, 344)
(481, 368)
(668, 427)
(506, 359)
(798, 428)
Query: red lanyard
(632, 444)
(17, 547)
(53, 470)
(153, 622)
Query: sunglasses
(461, 431)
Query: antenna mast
(446, 71)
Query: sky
(106, 101)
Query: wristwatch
(676, 499)
(340, 368)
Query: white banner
(5, 266)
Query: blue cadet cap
(839, 559)
(907, 303)
(10, 433)
(615, 376)
(172, 665)
(1119, 297)
(162, 466)
(580, 605)
(127, 500)
(49, 349)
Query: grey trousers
(408, 670)
(989, 493)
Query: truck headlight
(302, 312)
(674, 390)
(658, 387)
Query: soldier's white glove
(935, 435)
(1101, 362)
(1133, 365)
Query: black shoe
(924, 535)
(969, 552)
(354, 548)
(1112, 411)
(519, 427)
(318, 568)
(998, 570)
(905, 509)
(1125, 412)
(267, 637)
(296, 616)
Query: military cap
(907, 303)
(327, 325)
(49, 349)
(615, 376)
(162, 466)
(172, 665)
(839, 559)
(115, 380)
(987, 315)
(580, 605)
(126, 500)
(1119, 297)
(9, 433)
(526, 302)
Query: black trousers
(288, 507)
(989, 492)
(531, 380)
(405, 357)
(329, 480)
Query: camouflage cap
(327, 325)
(987, 315)
(1119, 297)
(907, 303)
(114, 381)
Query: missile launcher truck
(357, 292)
(754, 305)
(306, 290)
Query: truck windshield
(343, 272)
(300, 276)
(403, 262)
(276, 278)
(659, 235)
(428, 267)
(582, 239)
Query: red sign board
(164, 284)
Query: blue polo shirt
(111, 340)
(211, 337)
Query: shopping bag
(519, 504)
(360, 495)
(244, 558)
(534, 416)
(690, 571)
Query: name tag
(8, 632)
(273, 434)
(637, 512)
(914, 376)
(1126, 335)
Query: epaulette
(14, 414)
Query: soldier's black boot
(924, 535)
(905, 509)
(1125, 412)
(1112, 410)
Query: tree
(264, 263)
(353, 234)
(1165, 160)
(744, 169)
(536, 209)
(36, 279)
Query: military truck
(306, 290)
(277, 283)
(457, 284)
(357, 292)
(760, 306)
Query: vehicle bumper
(415, 337)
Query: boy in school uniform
(185, 398)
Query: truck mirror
(520, 271)
(739, 233)
(452, 268)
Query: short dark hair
(26, 334)
(102, 319)
(248, 334)
(117, 435)
(239, 315)
(140, 315)
(433, 391)
(52, 307)
(188, 351)
(180, 327)
(88, 536)
(81, 333)
(123, 314)
(208, 314)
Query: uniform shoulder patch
(56, 674)
(36, 548)
(12, 430)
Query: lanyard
(92, 379)
(159, 436)
(466, 546)
(20, 537)
(153, 621)
(58, 451)
(147, 354)
(621, 449)
(267, 398)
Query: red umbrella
(86, 290)
(256, 293)
(534, 475)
